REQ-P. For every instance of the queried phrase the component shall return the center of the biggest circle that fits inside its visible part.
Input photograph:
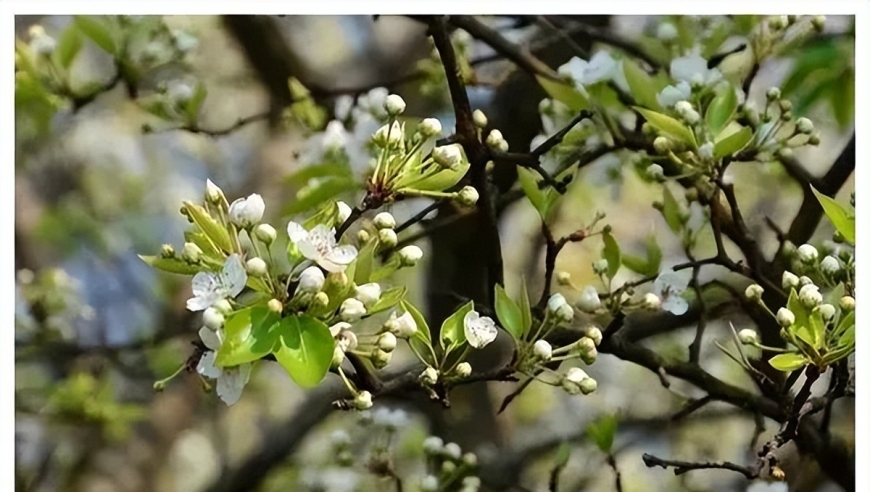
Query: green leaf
(207, 247)
(653, 255)
(364, 263)
(525, 306)
(643, 87)
(671, 210)
(388, 299)
(636, 264)
(422, 326)
(508, 313)
(171, 265)
(209, 226)
(249, 334)
(543, 200)
(612, 254)
(563, 454)
(816, 329)
(193, 105)
(304, 349)
(721, 110)
(602, 431)
(564, 93)
(838, 215)
(453, 328)
(788, 362)
(732, 143)
(95, 29)
(327, 169)
(310, 197)
(668, 125)
(801, 313)
(440, 181)
(846, 322)
(68, 46)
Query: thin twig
(681, 467)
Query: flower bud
(387, 239)
(311, 280)
(583, 345)
(351, 310)
(256, 267)
(662, 145)
(593, 333)
(754, 292)
(773, 94)
(818, 23)
(789, 280)
(433, 445)
(363, 236)
(692, 117)
(470, 460)
(213, 193)
(827, 311)
(705, 151)
(555, 302)
(807, 253)
(785, 106)
(429, 484)
(380, 358)
(344, 211)
(467, 196)
(384, 220)
(369, 293)
(363, 400)
(804, 125)
(571, 380)
(589, 301)
(429, 127)
(814, 139)
(346, 339)
(496, 141)
(410, 255)
(394, 104)
(784, 317)
(245, 212)
(479, 118)
(337, 357)
(40, 42)
(748, 336)
(223, 306)
(403, 327)
(387, 342)
(212, 319)
(388, 135)
(191, 253)
(543, 350)
(453, 451)
(830, 265)
(810, 296)
(563, 278)
(651, 301)
(600, 266)
(320, 300)
(265, 233)
(590, 356)
(447, 156)
(275, 306)
(429, 376)
(463, 370)
(847, 303)
(666, 31)
(167, 251)
(804, 280)
(683, 107)
(588, 386)
(778, 22)
(336, 281)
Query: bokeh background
(95, 326)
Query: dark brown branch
(417, 217)
(681, 467)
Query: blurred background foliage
(130, 115)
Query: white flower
(589, 301)
(403, 326)
(705, 151)
(452, 450)
(479, 118)
(311, 280)
(388, 238)
(209, 288)
(265, 233)
(447, 156)
(374, 101)
(394, 104)
(463, 369)
(600, 68)
(319, 245)
(245, 212)
(344, 211)
(179, 92)
(748, 336)
(212, 319)
(384, 220)
(40, 42)
(651, 301)
(555, 302)
(693, 69)
(754, 292)
(390, 418)
(410, 255)
(389, 134)
(387, 342)
(479, 330)
(467, 196)
(543, 350)
(368, 294)
(429, 127)
(810, 296)
(828, 311)
(847, 303)
(256, 267)
(230, 381)
(669, 287)
(673, 94)
(433, 444)
(351, 310)
(572, 379)
(343, 105)
(784, 317)
(594, 334)
(807, 253)
(830, 265)
(666, 31)
(429, 483)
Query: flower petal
(342, 255)
(479, 330)
(675, 305)
(309, 250)
(232, 382)
(296, 232)
(233, 277)
(207, 368)
(687, 67)
(211, 339)
(323, 237)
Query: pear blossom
(311, 280)
(480, 331)
(208, 288)
(669, 287)
(245, 212)
(543, 350)
(319, 245)
(693, 69)
(600, 68)
(410, 255)
(403, 326)
(463, 369)
(230, 380)
(369, 293)
(344, 211)
(589, 301)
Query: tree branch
(681, 467)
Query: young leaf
(671, 210)
(388, 299)
(508, 313)
(563, 454)
(193, 105)
(210, 227)
(643, 87)
(653, 255)
(198, 238)
(304, 348)
(843, 221)
(68, 46)
(525, 307)
(666, 124)
(602, 432)
(732, 143)
(788, 362)
(564, 93)
(721, 110)
(327, 169)
(310, 197)
(249, 334)
(453, 328)
(612, 254)
(95, 29)
(636, 264)
(171, 265)
(422, 326)
(364, 263)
